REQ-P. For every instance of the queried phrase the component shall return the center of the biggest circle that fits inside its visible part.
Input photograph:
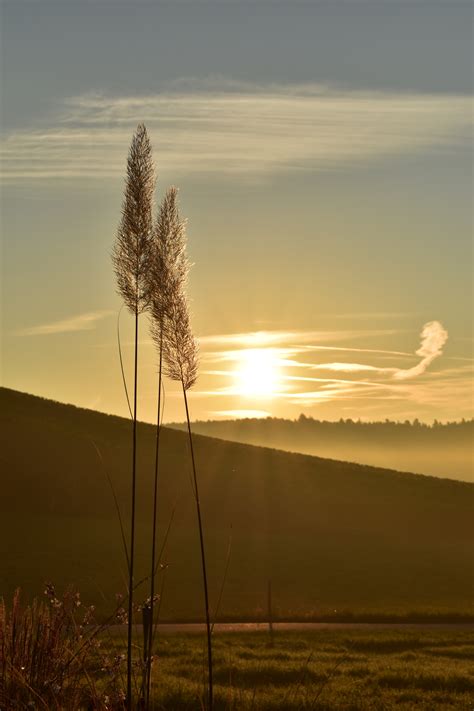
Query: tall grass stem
(203, 553)
(155, 507)
(132, 524)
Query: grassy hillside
(445, 450)
(330, 535)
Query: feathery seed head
(131, 253)
(179, 346)
(169, 266)
(170, 323)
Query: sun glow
(258, 373)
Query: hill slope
(440, 450)
(329, 535)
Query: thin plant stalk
(167, 271)
(131, 259)
(171, 329)
(203, 552)
(132, 523)
(155, 507)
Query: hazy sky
(323, 152)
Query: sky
(323, 154)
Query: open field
(362, 539)
(343, 670)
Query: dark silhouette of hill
(445, 450)
(330, 535)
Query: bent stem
(124, 380)
(203, 555)
(153, 543)
(116, 503)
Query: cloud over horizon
(237, 129)
(288, 350)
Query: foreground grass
(352, 670)
(53, 657)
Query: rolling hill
(330, 535)
(445, 450)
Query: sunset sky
(323, 152)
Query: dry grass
(51, 657)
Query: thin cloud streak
(243, 131)
(300, 339)
(360, 350)
(431, 393)
(370, 315)
(81, 322)
(287, 350)
(353, 368)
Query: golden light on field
(258, 373)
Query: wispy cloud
(433, 338)
(352, 368)
(370, 315)
(238, 129)
(81, 322)
(297, 338)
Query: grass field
(329, 535)
(353, 670)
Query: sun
(258, 373)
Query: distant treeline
(443, 449)
(381, 423)
(388, 429)
(385, 425)
(462, 430)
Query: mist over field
(444, 450)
